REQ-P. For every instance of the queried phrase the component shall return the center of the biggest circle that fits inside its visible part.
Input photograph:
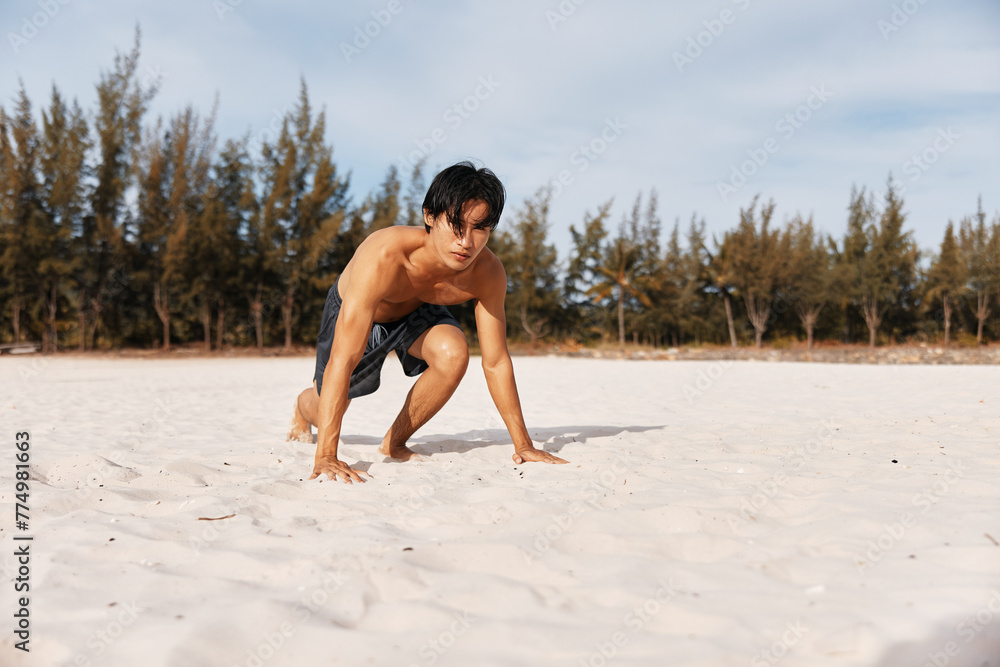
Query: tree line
(759, 279)
(117, 230)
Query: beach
(712, 514)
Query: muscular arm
(353, 326)
(491, 324)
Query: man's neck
(428, 266)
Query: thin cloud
(562, 80)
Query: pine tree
(644, 229)
(122, 103)
(693, 306)
(887, 270)
(947, 278)
(673, 288)
(583, 317)
(848, 258)
(413, 202)
(980, 257)
(24, 248)
(192, 270)
(756, 264)
(154, 221)
(530, 263)
(809, 274)
(63, 163)
(385, 206)
(8, 236)
(227, 209)
(304, 204)
(258, 267)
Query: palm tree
(946, 278)
(621, 263)
(717, 274)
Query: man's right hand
(334, 467)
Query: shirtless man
(392, 296)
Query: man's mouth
(461, 256)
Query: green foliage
(979, 255)
(946, 279)
(584, 319)
(809, 274)
(533, 306)
(755, 263)
(880, 258)
(621, 278)
(118, 231)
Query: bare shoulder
(381, 255)
(491, 278)
(390, 242)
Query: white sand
(711, 512)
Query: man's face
(458, 249)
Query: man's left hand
(526, 455)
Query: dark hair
(461, 183)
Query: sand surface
(712, 514)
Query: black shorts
(384, 336)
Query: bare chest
(442, 294)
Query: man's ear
(429, 220)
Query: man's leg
(306, 415)
(444, 349)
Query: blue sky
(801, 100)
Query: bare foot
(400, 453)
(299, 428)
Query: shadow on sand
(554, 439)
(971, 642)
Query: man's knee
(450, 353)
(308, 404)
